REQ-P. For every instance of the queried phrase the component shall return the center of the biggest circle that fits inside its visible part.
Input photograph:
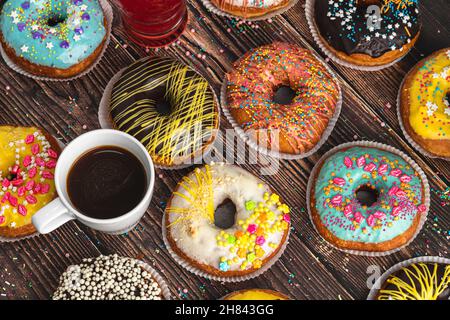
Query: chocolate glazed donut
(168, 107)
(368, 32)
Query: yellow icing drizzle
(429, 110)
(13, 150)
(168, 138)
(199, 197)
(430, 286)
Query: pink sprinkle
(37, 188)
(31, 199)
(358, 217)
(29, 139)
(336, 200)
(21, 191)
(339, 181)
(17, 182)
(26, 161)
(35, 149)
(47, 175)
(15, 169)
(40, 162)
(361, 162)
(45, 188)
(2, 219)
(52, 154)
(5, 183)
(6, 197)
(13, 201)
(401, 194)
(371, 220)
(51, 164)
(405, 178)
(393, 191)
(370, 167)
(422, 208)
(382, 169)
(348, 210)
(32, 173)
(396, 173)
(29, 185)
(260, 240)
(379, 215)
(22, 210)
(251, 228)
(287, 218)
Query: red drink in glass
(153, 23)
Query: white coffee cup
(61, 210)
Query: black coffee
(106, 182)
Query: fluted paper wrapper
(106, 122)
(272, 153)
(384, 147)
(199, 272)
(405, 133)
(426, 259)
(309, 11)
(108, 13)
(5, 239)
(269, 15)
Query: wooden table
(309, 268)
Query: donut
(222, 221)
(58, 39)
(250, 8)
(167, 106)
(108, 278)
(425, 104)
(282, 97)
(27, 165)
(417, 281)
(256, 294)
(368, 32)
(366, 199)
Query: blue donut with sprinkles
(53, 38)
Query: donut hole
(447, 99)
(11, 176)
(56, 19)
(225, 214)
(284, 95)
(367, 195)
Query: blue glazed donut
(55, 38)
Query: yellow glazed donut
(27, 165)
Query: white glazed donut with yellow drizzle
(224, 222)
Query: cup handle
(51, 217)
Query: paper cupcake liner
(405, 133)
(156, 276)
(279, 155)
(35, 234)
(108, 13)
(384, 147)
(309, 11)
(199, 272)
(106, 121)
(425, 259)
(212, 8)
